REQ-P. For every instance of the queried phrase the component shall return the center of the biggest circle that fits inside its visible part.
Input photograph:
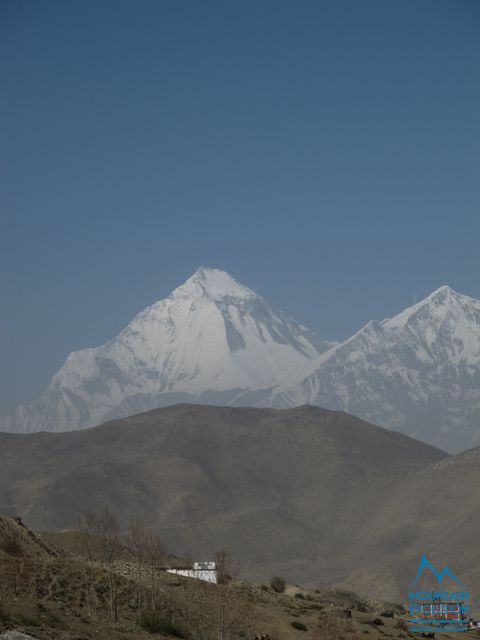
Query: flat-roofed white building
(206, 571)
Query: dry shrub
(300, 626)
(11, 546)
(278, 584)
(4, 614)
(154, 623)
(333, 628)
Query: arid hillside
(318, 496)
(52, 594)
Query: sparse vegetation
(223, 562)
(278, 584)
(101, 543)
(29, 620)
(4, 614)
(154, 623)
(11, 546)
(299, 626)
(66, 594)
(333, 628)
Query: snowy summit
(214, 340)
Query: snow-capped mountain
(215, 341)
(418, 373)
(212, 340)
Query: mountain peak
(214, 284)
(203, 273)
(212, 340)
(443, 292)
(438, 303)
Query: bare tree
(99, 535)
(200, 611)
(138, 540)
(154, 557)
(330, 627)
(224, 565)
(217, 612)
(107, 528)
(88, 532)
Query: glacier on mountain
(212, 340)
(215, 341)
(418, 373)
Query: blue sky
(325, 153)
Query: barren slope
(289, 492)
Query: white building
(206, 571)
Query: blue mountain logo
(440, 575)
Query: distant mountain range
(215, 341)
(418, 373)
(317, 496)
